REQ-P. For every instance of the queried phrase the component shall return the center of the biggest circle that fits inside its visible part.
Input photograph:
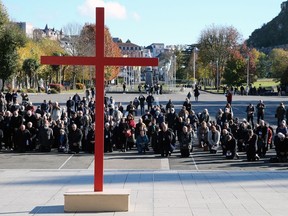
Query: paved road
(130, 160)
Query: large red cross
(99, 61)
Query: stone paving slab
(153, 192)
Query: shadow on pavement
(57, 209)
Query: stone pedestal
(111, 200)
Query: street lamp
(174, 70)
(194, 65)
(60, 83)
(248, 64)
(217, 76)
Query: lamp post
(60, 83)
(217, 76)
(174, 70)
(194, 67)
(248, 64)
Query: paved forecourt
(34, 183)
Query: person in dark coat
(124, 87)
(262, 133)
(187, 104)
(22, 138)
(131, 108)
(172, 119)
(70, 104)
(185, 142)
(147, 118)
(91, 139)
(166, 139)
(123, 135)
(29, 117)
(136, 104)
(169, 105)
(260, 110)
(251, 146)
(142, 100)
(250, 114)
(231, 147)
(281, 147)
(75, 139)
(45, 138)
(150, 100)
(153, 133)
(196, 93)
(44, 107)
(14, 97)
(15, 123)
(280, 113)
(92, 92)
(108, 147)
(8, 97)
(33, 135)
(7, 130)
(76, 98)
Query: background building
(131, 75)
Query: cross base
(86, 200)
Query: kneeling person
(185, 142)
(142, 142)
(213, 139)
(231, 148)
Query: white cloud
(112, 9)
(136, 16)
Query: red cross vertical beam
(99, 61)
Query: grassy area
(73, 91)
(265, 83)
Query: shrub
(53, 91)
(56, 86)
(80, 86)
(31, 90)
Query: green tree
(181, 64)
(234, 73)
(279, 65)
(4, 19)
(263, 66)
(11, 38)
(30, 67)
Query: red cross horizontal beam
(107, 61)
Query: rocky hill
(273, 33)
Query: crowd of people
(224, 132)
(158, 128)
(24, 127)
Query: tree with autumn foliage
(29, 55)
(216, 44)
(236, 69)
(111, 49)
